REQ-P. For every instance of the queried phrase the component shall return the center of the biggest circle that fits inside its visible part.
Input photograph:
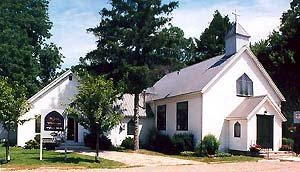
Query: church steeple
(235, 39)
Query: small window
(244, 86)
(237, 129)
(130, 127)
(161, 117)
(38, 124)
(182, 116)
(70, 77)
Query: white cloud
(259, 18)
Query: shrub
(128, 143)
(208, 146)
(31, 144)
(160, 143)
(287, 144)
(104, 142)
(183, 142)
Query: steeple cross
(235, 15)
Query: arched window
(244, 86)
(237, 129)
(130, 127)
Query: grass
(232, 159)
(29, 159)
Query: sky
(71, 18)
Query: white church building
(230, 96)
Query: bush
(104, 142)
(160, 143)
(31, 144)
(287, 144)
(208, 146)
(255, 148)
(183, 142)
(128, 143)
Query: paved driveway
(229, 167)
(142, 160)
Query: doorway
(265, 128)
(72, 130)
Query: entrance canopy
(252, 106)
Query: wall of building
(277, 127)
(55, 99)
(220, 99)
(119, 133)
(194, 114)
(238, 143)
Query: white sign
(297, 117)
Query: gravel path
(142, 160)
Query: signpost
(52, 122)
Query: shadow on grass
(70, 160)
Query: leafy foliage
(280, 55)
(212, 41)
(208, 146)
(135, 47)
(96, 103)
(25, 56)
(128, 143)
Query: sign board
(297, 117)
(54, 122)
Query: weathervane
(235, 15)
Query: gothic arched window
(237, 129)
(244, 86)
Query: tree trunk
(136, 122)
(97, 159)
(7, 148)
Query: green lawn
(29, 159)
(231, 159)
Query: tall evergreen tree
(212, 41)
(24, 55)
(135, 47)
(280, 55)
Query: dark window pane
(161, 117)
(237, 129)
(244, 86)
(130, 127)
(182, 116)
(38, 124)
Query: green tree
(25, 56)
(280, 55)
(136, 46)
(95, 106)
(212, 41)
(13, 104)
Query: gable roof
(250, 105)
(201, 76)
(49, 86)
(127, 105)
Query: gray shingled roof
(127, 105)
(190, 79)
(246, 107)
(239, 30)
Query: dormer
(235, 39)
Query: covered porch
(255, 121)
